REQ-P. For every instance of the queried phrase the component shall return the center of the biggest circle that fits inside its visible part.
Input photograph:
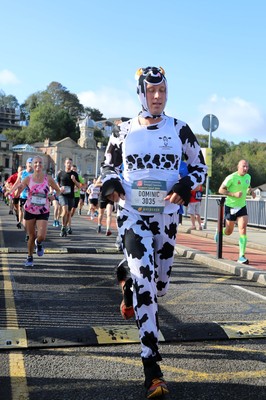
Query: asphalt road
(62, 337)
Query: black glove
(184, 191)
(111, 186)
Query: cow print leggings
(148, 245)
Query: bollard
(220, 225)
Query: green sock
(224, 231)
(242, 245)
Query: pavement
(201, 246)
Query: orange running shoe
(157, 389)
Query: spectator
(194, 207)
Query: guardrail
(256, 211)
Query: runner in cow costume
(150, 148)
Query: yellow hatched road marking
(186, 375)
(17, 371)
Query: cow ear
(162, 70)
(138, 73)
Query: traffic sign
(210, 123)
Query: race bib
(148, 195)
(67, 189)
(38, 199)
(234, 210)
(198, 195)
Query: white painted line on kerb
(250, 292)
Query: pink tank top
(37, 202)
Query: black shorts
(82, 196)
(94, 202)
(103, 203)
(76, 202)
(15, 200)
(28, 216)
(22, 202)
(233, 217)
(66, 201)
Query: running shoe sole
(157, 389)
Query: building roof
(24, 147)
(262, 187)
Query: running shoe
(243, 260)
(55, 223)
(99, 229)
(79, 212)
(157, 389)
(29, 262)
(19, 225)
(126, 306)
(126, 312)
(39, 248)
(69, 231)
(118, 243)
(108, 232)
(63, 232)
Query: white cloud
(111, 102)
(239, 120)
(8, 78)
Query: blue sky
(213, 52)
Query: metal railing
(256, 211)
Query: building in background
(9, 118)
(6, 158)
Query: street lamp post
(96, 161)
(210, 123)
(98, 147)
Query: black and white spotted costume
(151, 157)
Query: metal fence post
(220, 225)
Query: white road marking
(250, 292)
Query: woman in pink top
(37, 206)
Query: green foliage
(16, 136)
(8, 100)
(225, 157)
(50, 121)
(94, 113)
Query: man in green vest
(236, 187)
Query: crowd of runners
(31, 192)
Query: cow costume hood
(153, 76)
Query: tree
(16, 136)
(53, 122)
(58, 95)
(94, 113)
(8, 101)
